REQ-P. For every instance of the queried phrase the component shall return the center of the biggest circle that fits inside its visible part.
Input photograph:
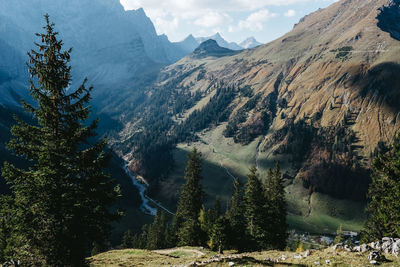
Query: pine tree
(157, 230)
(384, 195)
(127, 240)
(276, 208)
(186, 223)
(257, 221)
(219, 234)
(339, 235)
(205, 225)
(62, 200)
(236, 218)
(215, 212)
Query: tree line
(254, 220)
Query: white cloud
(164, 26)
(212, 19)
(178, 18)
(255, 21)
(201, 5)
(290, 13)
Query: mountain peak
(249, 43)
(210, 48)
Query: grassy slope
(317, 213)
(131, 257)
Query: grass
(182, 256)
(318, 213)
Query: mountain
(189, 44)
(210, 48)
(322, 100)
(112, 51)
(249, 43)
(221, 42)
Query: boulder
(362, 248)
(231, 263)
(376, 255)
(338, 246)
(373, 262)
(307, 253)
(396, 247)
(387, 245)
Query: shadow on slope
(389, 19)
(382, 79)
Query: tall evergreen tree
(215, 212)
(236, 218)
(156, 238)
(219, 234)
(205, 225)
(384, 195)
(276, 208)
(127, 240)
(257, 220)
(186, 220)
(61, 202)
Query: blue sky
(236, 20)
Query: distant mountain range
(190, 43)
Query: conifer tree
(257, 221)
(339, 235)
(276, 208)
(186, 221)
(205, 225)
(219, 234)
(384, 195)
(156, 238)
(127, 240)
(215, 212)
(236, 218)
(61, 202)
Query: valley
(322, 100)
(320, 105)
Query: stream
(142, 187)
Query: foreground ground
(187, 255)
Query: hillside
(189, 256)
(322, 100)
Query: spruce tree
(339, 235)
(255, 212)
(215, 212)
(219, 234)
(186, 220)
(276, 208)
(236, 218)
(127, 240)
(61, 202)
(384, 194)
(157, 231)
(205, 225)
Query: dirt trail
(169, 251)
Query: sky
(235, 20)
